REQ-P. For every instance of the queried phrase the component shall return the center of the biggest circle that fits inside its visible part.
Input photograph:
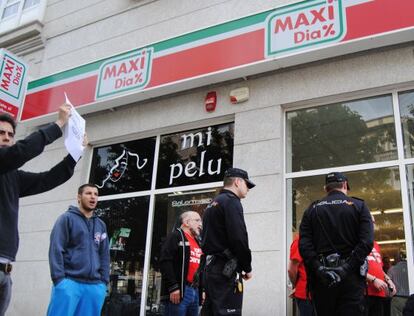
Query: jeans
(5, 292)
(305, 307)
(187, 307)
(71, 298)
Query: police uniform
(336, 224)
(224, 236)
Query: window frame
(401, 162)
(153, 192)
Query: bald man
(179, 261)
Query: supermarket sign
(12, 83)
(305, 25)
(289, 35)
(124, 73)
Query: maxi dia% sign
(13, 83)
(309, 24)
(123, 73)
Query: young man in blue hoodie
(79, 259)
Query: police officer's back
(225, 240)
(336, 237)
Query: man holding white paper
(15, 183)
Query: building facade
(174, 92)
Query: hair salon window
(360, 138)
(189, 166)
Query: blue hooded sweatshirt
(79, 248)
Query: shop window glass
(406, 101)
(125, 167)
(196, 156)
(167, 209)
(340, 134)
(126, 221)
(380, 188)
(410, 182)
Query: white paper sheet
(74, 133)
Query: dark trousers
(305, 307)
(375, 305)
(221, 298)
(345, 299)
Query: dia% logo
(124, 73)
(308, 23)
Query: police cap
(336, 177)
(239, 173)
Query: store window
(341, 134)
(380, 188)
(194, 157)
(126, 221)
(406, 100)
(359, 137)
(123, 168)
(194, 161)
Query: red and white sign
(12, 83)
(309, 23)
(124, 73)
(298, 33)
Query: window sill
(23, 39)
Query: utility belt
(335, 260)
(6, 267)
(226, 259)
(332, 260)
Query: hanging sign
(12, 83)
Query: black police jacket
(224, 228)
(348, 224)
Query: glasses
(3, 133)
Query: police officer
(336, 237)
(226, 246)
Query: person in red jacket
(297, 275)
(379, 285)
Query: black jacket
(17, 183)
(224, 228)
(347, 222)
(174, 260)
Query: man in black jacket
(179, 261)
(336, 237)
(16, 183)
(226, 246)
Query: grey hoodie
(79, 248)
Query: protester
(336, 235)
(15, 183)
(379, 285)
(226, 246)
(399, 274)
(79, 259)
(297, 276)
(179, 262)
